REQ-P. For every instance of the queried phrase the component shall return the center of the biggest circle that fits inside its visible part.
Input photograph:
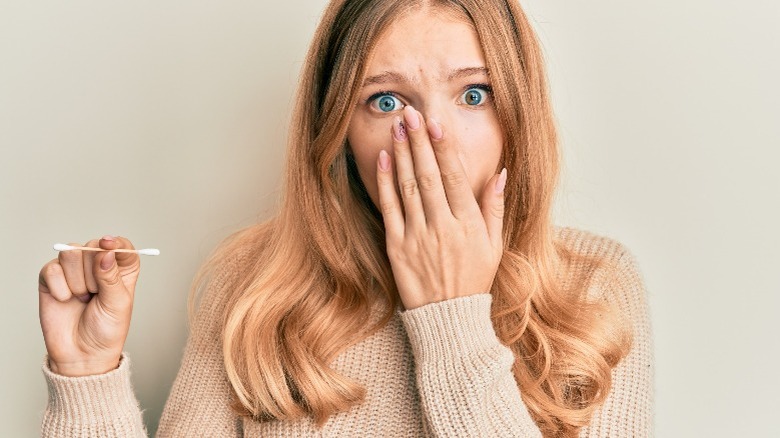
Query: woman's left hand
(441, 245)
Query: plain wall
(166, 122)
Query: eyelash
(485, 87)
(381, 94)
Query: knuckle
(51, 270)
(113, 280)
(124, 243)
(78, 286)
(395, 257)
(497, 210)
(454, 179)
(428, 181)
(473, 226)
(443, 235)
(384, 182)
(70, 257)
(409, 188)
(62, 296)
(387, 208)
(402, 150)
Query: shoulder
(586, 243)
(239, 250)
(228, 268)
(607, 267)
(612, 276)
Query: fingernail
(501, 183)
(411, 117)
(108, 261)
(434, 129)
(109, 238)
(399, 131)
(384, 160)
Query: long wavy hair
(317, 269)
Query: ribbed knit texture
(463, 372)
(438, 370)
(79, 406)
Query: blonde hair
(316, 270)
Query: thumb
(493, 208)
(112, 290)
(125, 260)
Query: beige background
(165, 122)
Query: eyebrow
(390, 77)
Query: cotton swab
(64, 247)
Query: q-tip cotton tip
(147, 251)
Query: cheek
(366, 139)
(480, 151)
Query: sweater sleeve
(102, 405)
(464, 373)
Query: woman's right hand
(85, 303)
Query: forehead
(425, 44)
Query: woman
(412, 283)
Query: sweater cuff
(91, 400)
(458, 327)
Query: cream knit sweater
(438, 370)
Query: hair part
(320, 267)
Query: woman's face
(433, 61)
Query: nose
(431, 109)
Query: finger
(493, 208)
(389, 203)
(73, 270)
(112, 292)
(453, 175)
(407, 182)
(51, 280)
(426, 169)
(89, 262)
(123, 259)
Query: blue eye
(386, 103)
(475, 96)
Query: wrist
(83, 368)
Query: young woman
(412, 283)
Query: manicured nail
(384, 161)
(109, 238)
(411, 117)
(434, 129)
(399, 130)
(501, 182)
(108, 261)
